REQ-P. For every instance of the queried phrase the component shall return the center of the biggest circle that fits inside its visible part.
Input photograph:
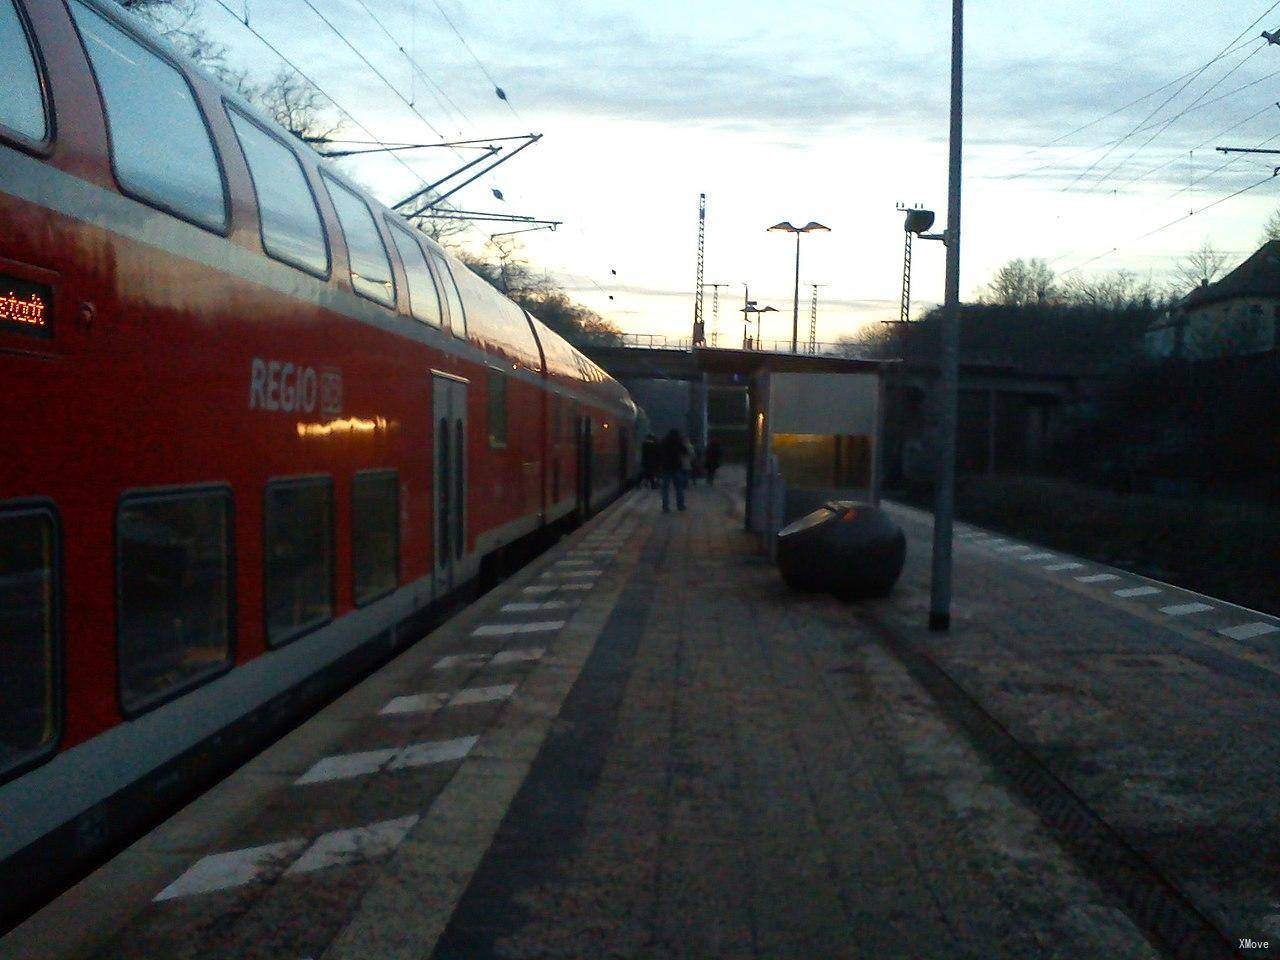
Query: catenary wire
(1173, 96)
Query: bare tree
(1199, 266)
(1021, 283)
(1110, 291)
(296, 105)
(1270, 229)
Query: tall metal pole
(948, 359)
(795, 306)
(699, 325)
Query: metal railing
(659, 341)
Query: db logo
(331, 391)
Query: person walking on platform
(650, 462)
(677, 458)
(715, 457)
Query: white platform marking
(1182, 609)
(1013, 548)
(461, 660)
(438, 751)
(1037, 556)
(572, 563)
(348, 765)
(1065, 566)
(414, 703)
(470, 695)
(514, 629)
(232, 869)
(541, 588)
(592, 572)
(1138, 592)
(357, 845)
(1098, 578)
(538, 605)
(503, 657)
(1247, 631)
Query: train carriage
(258, 431)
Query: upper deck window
(424, 299)
(22, 105)
(458, 317)
(370, 267)
(160, 146)
(291, 228)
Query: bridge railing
(660, 341)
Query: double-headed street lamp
(749, 309)
(786, 227)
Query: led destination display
(25, 307)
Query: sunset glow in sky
(818, 111)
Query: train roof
(495, 324)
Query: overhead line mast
(699, 325)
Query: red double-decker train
(258, 431)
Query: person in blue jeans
(676, 460)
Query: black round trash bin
(844, 547)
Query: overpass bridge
(1009, 415)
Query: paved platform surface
(1157, 707)
(642, 746)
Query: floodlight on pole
(787, 227)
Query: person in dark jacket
(715, 457)
(650, 462)
(677, 458)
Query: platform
(644, 746)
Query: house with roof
(1238, 315)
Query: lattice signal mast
(699, 325)
(813, 318)
(715, 309)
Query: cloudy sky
(810, 111)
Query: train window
(497, 409)
(370, 268)
(424, 299)
(291, 228)
(375, 533)
(22, 106)
(174, 592)
(29, 711)
(298, 557)
(458, 317)
(160, 146)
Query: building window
(160, 146)
(174, 590)
(22, 106)
(298, 557)
(497, 409)
(375, 533)
(29, 635)
(291, 227)
(424, 300)
(370, 268)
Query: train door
(584, 467)
(449, 415)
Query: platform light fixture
(787, 227)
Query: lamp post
(758, 312)
(786, 227)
